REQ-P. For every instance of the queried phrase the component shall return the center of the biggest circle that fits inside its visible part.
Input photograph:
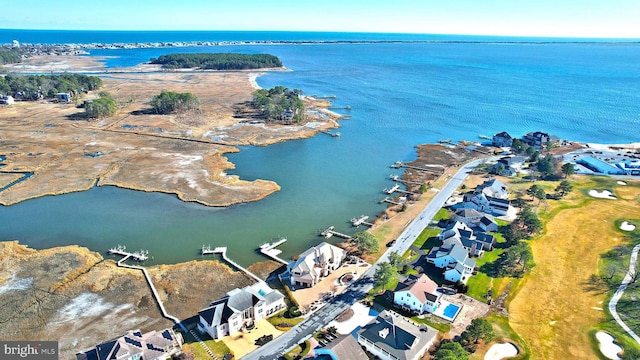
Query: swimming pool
(451, 311)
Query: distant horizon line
(335, 32)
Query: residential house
(343, 347)
(508, 165)
(475, 242)
(64, 97)
(315, 264)
(453, 257)
(502, 139)
(6, 100)
(493, 188)
(476, 220)
(239, 310)
(536, 139)
(418, 294)
(391, 337)
(134, 345)
(490, 197)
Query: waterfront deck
(121, 250)
(400, 164)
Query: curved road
(620, 291)
(360, 288)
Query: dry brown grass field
(553, 309)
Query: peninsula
(59, 150)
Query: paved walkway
(360, 288)
(620, 291)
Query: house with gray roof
(502, 139)
(475, 219)
(537, 139)
(315, 263)
(475, 242)
(344, 347)
(239, 310)
(391, 337)
(134, 345)
(490, 197)
(453, 257)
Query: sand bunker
(621, 182)
(608, 348)
(627, 226)
(604, 194)
(501, 351)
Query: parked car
(391, 243)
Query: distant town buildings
(391, 337)
(134, 345)
(315, 264)
(239, 310)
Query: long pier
(329, 232)
(142, 254)
(360, 221)
(400, 164)
(222, 250)
(333, 134)
(269, 250)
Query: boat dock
(329, 232)
(387, 200)
(222, 250)
(447, 141)
(395, 188)
(269, 250)
(121, 250)
(360, 221)
(141, 256)
(397, 178)
(335, 134)
(400, 164)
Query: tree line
(9, 57)
(217, 61)
(34, 87)
(280, 103)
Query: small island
(217, 61)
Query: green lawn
(218, 347)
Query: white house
(239, 310)
(418, 294)
(454, 259)
(475, 242)
(134, 345)
(315, 264)
(391, 337)
(7, 100)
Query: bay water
(401, 95)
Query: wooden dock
(387, 200)
(333, 134)
(447, 141)
(269, 250)
(360, 221)
(397, 178)
(121, 250)
(330, 231)
(141, 256)
(395, 188)
(400, 164)
(222, 250)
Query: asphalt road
(360, 288)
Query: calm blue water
(401, 95)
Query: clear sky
(563, 18)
